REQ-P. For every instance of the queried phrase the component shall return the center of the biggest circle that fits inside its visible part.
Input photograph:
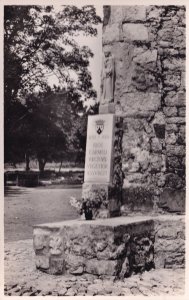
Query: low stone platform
(114, 247)
(110, 247)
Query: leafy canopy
(39, 42)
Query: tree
(60, 131)
(39, 42)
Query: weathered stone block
(157, 163)
(133, 167)
(169, 260)
(174, 162)
(135, 32)
(175, 260)
(159, 118)
(169, 243)
(42, 262)
(111, 34)
(174, 181)
(154, 13)
(116, 15)
(172, 81)
(170, 111)
(74, 264)
(174, 64)
(168, 233)
(182, 111)
(175, 150)
(176, 120)
(165, 44)
(171, 128)
(156, 145)
(175, 99)
(133, 14)
(172, 200)
(102, 267)
(56, 245)
(135, 103)
(56, 265)
(143, 80)
(137, 198)
(171, 138)
(144, 56)
(41, 241)
(165, 34)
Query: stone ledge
(105, 222)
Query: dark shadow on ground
(13, 191)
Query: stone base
(112, 247)
(107, 108)
(107, 197)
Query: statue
(108, 78)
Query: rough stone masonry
(148, 44)
(117, 247)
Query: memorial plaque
(98, 159)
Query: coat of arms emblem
(99, 126)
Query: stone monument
(103, 166)
(98, 247)
(153, 148)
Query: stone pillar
(148, 46)
(103, 164)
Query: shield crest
(99, 126)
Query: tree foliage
(39, 42)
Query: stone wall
(148, 43)
(169, 245)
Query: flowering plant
(88, 206)
(77, 203)
(85, 204)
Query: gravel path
(22, 278)
(25, 207)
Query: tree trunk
(27, 160)
(42, 163)
(60, 166)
